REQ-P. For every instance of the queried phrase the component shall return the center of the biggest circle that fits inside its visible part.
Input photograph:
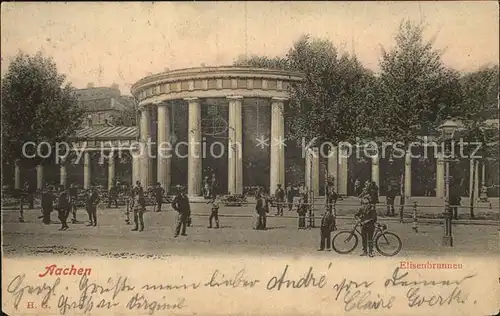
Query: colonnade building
(228, 122)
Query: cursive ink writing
(363, 301)
(399, 279)
(345, 286)
(218, 280)
(115, 286)
(168, 287)
(84, 304)
(303, 282)
(17, 289)
(138, 302)
(415, 299)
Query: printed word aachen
(55, 270)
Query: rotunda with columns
(222, 121)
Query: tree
(479, 103)
(335, 98)
(126, 117)
(416, 90)
(37, 105)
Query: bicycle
(381, 239)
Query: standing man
(331, 201)
(73, 200)
(139, 207)
(279, 196)
(92, 200)
(181, 205)
(214, 214)
(158, 195)
(262, 208)
(391, 196)
(327, 225)
(368, 217)
(63, 207)
(302, 208)
(47, 204)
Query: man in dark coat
(63, 208)
(368, 217)
(158, 195)
(180, 203)
(391, 196)
(302, 208)
(327, 225)
(279, 196)
(92, 200)
(331, 201)
(262, 208)
(47, 205)
(139, 207)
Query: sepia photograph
(248, 158)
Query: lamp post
(448, 129)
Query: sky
(106, 43)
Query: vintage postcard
(250, 158)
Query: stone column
(39, 177)
(312, 171)
(343, 171)
(376, 170)
(145, 134)
(277, 143)
(235, 144)
(17, 175)
(136, 167)
(333, 164)
(111, 169)
(86, 170)
(408, 174)
(63, 173)
(194, 150)
(440, 181)
(164, 146)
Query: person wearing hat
(139, 207)
(63, 207)
(92, 200)
(73, 198)
(327, 225)
(158, 192)
(214, 214)
(368, 217)
(180, 203)
(279, 196)
(47, 204)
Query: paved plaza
(112, 237)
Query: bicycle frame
(378, 229)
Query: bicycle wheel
(344, 242)
(388, 244)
